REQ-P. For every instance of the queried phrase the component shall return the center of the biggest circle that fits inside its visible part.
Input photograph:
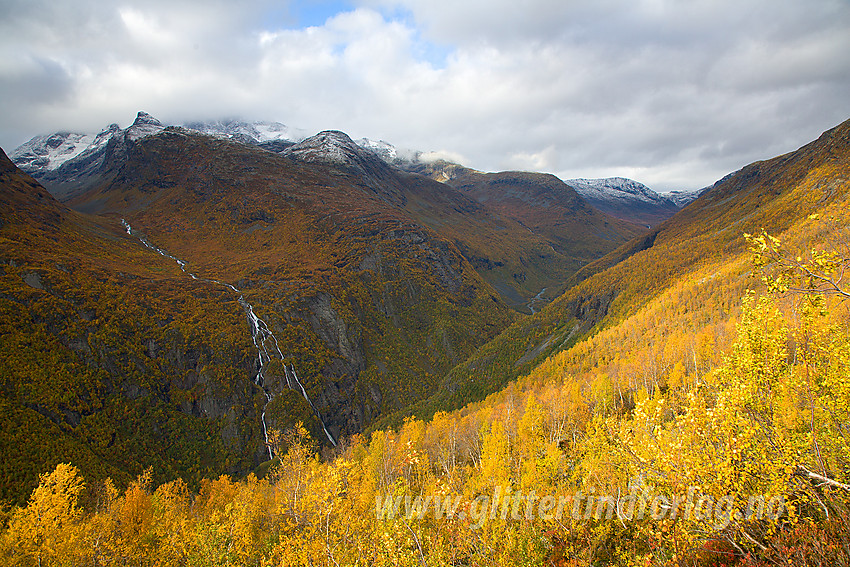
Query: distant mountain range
(625, 199)
(68, 164)
(619, 197)
(629, 200)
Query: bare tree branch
(820, 479)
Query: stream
(537, 298)
(263, 338)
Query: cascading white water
(260, 335)
(304, 393)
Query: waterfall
(261, 335)
(304, 393)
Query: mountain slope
(703, 243)
(366, 307)
(562, 231)
(328, 258)
(109, 359)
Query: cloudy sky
(673, 93)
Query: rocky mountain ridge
(45, 153)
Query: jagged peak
(144, 118)
(144, 125)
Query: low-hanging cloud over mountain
(675, 94)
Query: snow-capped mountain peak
(625, 199)
(50, 152)
(330, 146)
(616, 188)
(144, 125)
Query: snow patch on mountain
(617, 189)
(682, 198)
(49, 153)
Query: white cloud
(677, 93)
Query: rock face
(626, 199)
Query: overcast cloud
(673, 93)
